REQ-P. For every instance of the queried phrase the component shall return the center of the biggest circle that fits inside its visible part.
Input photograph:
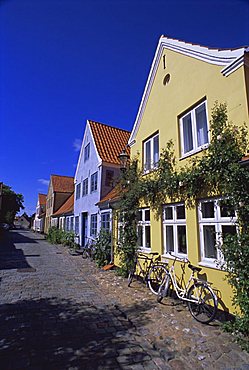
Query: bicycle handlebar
(183, 259)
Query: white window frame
(217, 221)
(87, 152)
(196, 147)
(105, 220)
(78, 191)
(143, 224)
(85, 187)
(174, 222)
(152, 164)
(94, 182)
(94, 224)
(76, 225)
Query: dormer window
(194, 130)
(151, 153)
(87, 152)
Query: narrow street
(60, 312)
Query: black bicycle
(89, 248)
(149, 268)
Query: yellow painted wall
(190, 81)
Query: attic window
(166, 79)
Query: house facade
(97, 171)
(63, 218)
(184, 83)
(59, 190)
(39, 220)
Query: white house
(38, 224)
(98, 168)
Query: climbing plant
(216, 171)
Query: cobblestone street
(59, 311)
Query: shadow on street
(10, 256)
(62, 334)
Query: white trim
(231, 59)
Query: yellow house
(184, 82)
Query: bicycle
(152, 270)
(89, 248)
(201, 300)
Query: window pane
(207, 209)
(140, 236)
(180, 212)
(156, 149)
(169, 239)
(147, 215)
(168, 213)
(147, 236)
(147, 156)
(209, 241)
(187, 133)
(181, 239)
(226, 210)
(201, 125)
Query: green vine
(216, 171)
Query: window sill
(144, 250)
(209, 264)
(170, 257)
(189, 154)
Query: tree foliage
(12, 203)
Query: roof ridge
(105, 124)
(203, 46)
(62, 176)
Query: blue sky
(63, 62)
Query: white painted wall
(85, 169)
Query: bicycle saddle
(194, 268)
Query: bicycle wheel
(155, 277)
(163, 290)
(85, 253)
(203, 305)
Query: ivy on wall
(215, 171)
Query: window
(151, 153)
(174, 229)
(93, 225)
(76, 226)
(71, 224)
(105, 221)
(85, 187)
(194, 129)
(78, 188)
(87, 152)
(216, 219)
(109, 178)
(94, 181)
(67, 224)
(143, 228)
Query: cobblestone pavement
(59, 312)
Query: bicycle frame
(180, 292)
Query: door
(84, 229)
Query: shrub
(102, 253)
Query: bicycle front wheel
(202, 302)
(163, 290)
(155, 277)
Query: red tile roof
(62, 184)
(110, 141)
(42, 199)
(66, 207)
